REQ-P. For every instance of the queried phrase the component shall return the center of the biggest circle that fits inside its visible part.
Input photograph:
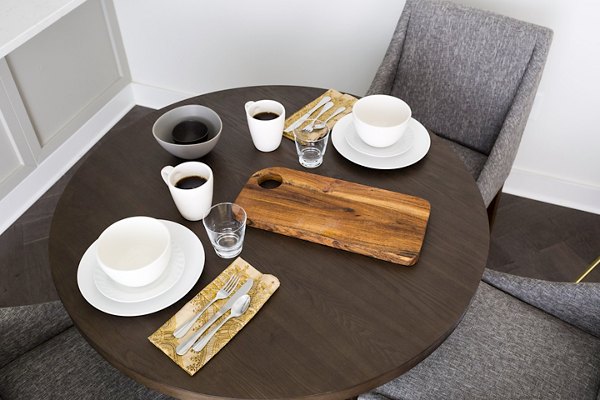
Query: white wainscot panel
(16, 157)
(67, 73)
(10, 161)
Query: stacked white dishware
(140, 265)
(380, 133)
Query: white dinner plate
(127, 294)
(420, 146)
(194, 264)
(400, 147)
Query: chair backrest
(460, 68)
(575, 303)
(22, 328)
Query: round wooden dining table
(339, 325)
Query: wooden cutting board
(370, 221)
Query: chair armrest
(502, 156)
(24, 327)
(575, 303)
(386, 73)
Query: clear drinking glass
(225, 225)
(311, 142)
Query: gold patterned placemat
(264, 286)
(339, 100)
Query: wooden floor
(24, 268)
(529, 238)
(544, 241)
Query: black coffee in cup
(265, 116)
(190, 182)
(190, 132)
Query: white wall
(559, 156)
(181, 48)
(201, 46)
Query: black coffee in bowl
(190, 132)
(265, 116)
(190, 182)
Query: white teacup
(134, 251)
(380, 120)
(191, 186)
(265, 121)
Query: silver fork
(223, 293)
(326, 107)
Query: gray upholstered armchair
(470, 76)
(520, 339)
(42, 356)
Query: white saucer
(420, 146)
(193, 266)
(126, 294)
(400, 147)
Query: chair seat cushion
(504, 349)
(473, 160)
(66, 367)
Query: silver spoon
(239, 308)
(335, 113)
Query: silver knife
(185, 346)
(303, 118)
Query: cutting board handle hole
(270, 181)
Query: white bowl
(163, 129)
(380, 120)
(134, 251)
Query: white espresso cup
(191, 186)
(265, 121)
(380, 120)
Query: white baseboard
(155, 97)
(553, 190)
(30, 189)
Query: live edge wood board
(362, 219)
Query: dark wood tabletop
(340, 324)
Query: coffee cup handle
(165, 172)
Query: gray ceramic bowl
(163, 128)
